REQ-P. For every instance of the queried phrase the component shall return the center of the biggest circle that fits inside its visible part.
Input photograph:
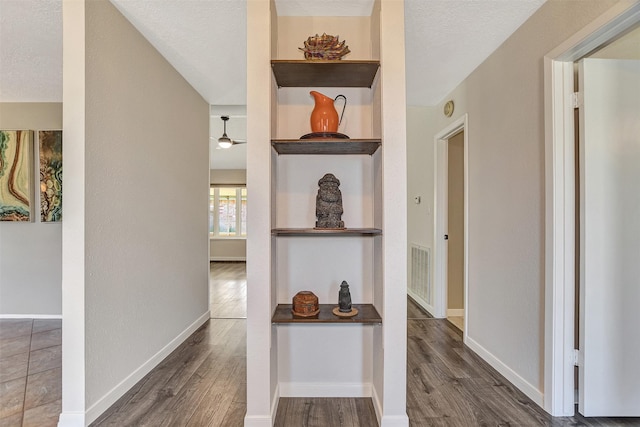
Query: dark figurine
(344, 297)
(329, 203)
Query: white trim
(258, 421)
(560, 201)
(227, 258)
(421, 302)
(325, 389)
(560, 238)
(261, 420)
(30, 316)
(395, 421)
(119, 390)
(389, 420)
(71, 419)
(520, 383)
(275, 401)
(455, 312)
(440, 203)
(377, 404)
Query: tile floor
(30, 372)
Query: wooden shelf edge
(326, 61)
(323, 232)
(366, 146)
(319, 73)
(367, 314)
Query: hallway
(203, 383)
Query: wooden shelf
(341, 73)
(367, 313)
(328, 232)
(326, 146)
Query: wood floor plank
(414, 311)
(321, 412)
(203, 383)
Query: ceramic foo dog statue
(329, 203)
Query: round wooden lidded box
(305, 304)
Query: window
(228, 211)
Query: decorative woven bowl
(305, 304)
(324, 47)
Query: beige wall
(146, 163)
(455, 222)
(31, 253)
(504, 101)
(626, 47)
(228, 249)
(228, 176)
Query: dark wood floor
(203, 383)
(228, 290)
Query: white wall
(31, 253)
(504, 100)
(145, 171)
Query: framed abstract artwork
(50, 144)
(16, 193)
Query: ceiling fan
(224, 141)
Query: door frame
(440, 204)
(559, 385)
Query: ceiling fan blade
(239, 141)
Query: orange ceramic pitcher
(324, 117)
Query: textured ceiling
(30, 50)
(205, 40)
(447, 39)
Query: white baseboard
(119, 390)
(422, 303)
(377, 405)
(455, 312)
(264, 420)
(520, 383)
(30, 316)
(389, 420)
(325, 389)
(395, 421)
(71, 419)
(275, 402)
(227, 258)
(257, 421)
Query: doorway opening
(561, 196)
(455, 230)
(228, 200)
(451, 224)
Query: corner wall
(504, 101)
(31, 253)
(144, 217)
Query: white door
(609, 380)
